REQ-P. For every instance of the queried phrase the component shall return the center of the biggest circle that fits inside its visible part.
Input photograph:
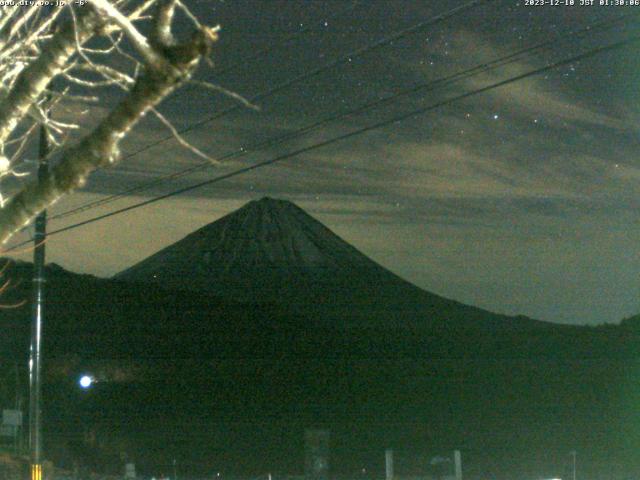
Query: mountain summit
(271, 250)
(268, 247)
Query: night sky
(521, 200)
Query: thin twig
(181, 140)
(228, 93)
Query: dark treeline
(232, 385)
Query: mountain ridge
(272, 250)
(165, 355)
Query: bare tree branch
(139, 41)
(34, 79)
(182, 141)
(100, 147)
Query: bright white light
(86, 381)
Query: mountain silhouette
(265, 249)
(271, 250)
(265, 321)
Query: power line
(285, 40)
(404, 116)
(245, 61)
(345, 59)
(441, 82)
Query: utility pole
(19, 436)
(388, 464)
(457, 464)
(35, 360)
(574, 454)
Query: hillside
(195, 373)
(272, 251)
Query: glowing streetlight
(86, 381)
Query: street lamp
(86, 381)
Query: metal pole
(19, 429)
(457, 462)
(574, 454)
(35, 360)
(388, 464)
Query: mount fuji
(272, 251)
(266, 321)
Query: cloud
(548, 97)
(534, 96)
(481, 210)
